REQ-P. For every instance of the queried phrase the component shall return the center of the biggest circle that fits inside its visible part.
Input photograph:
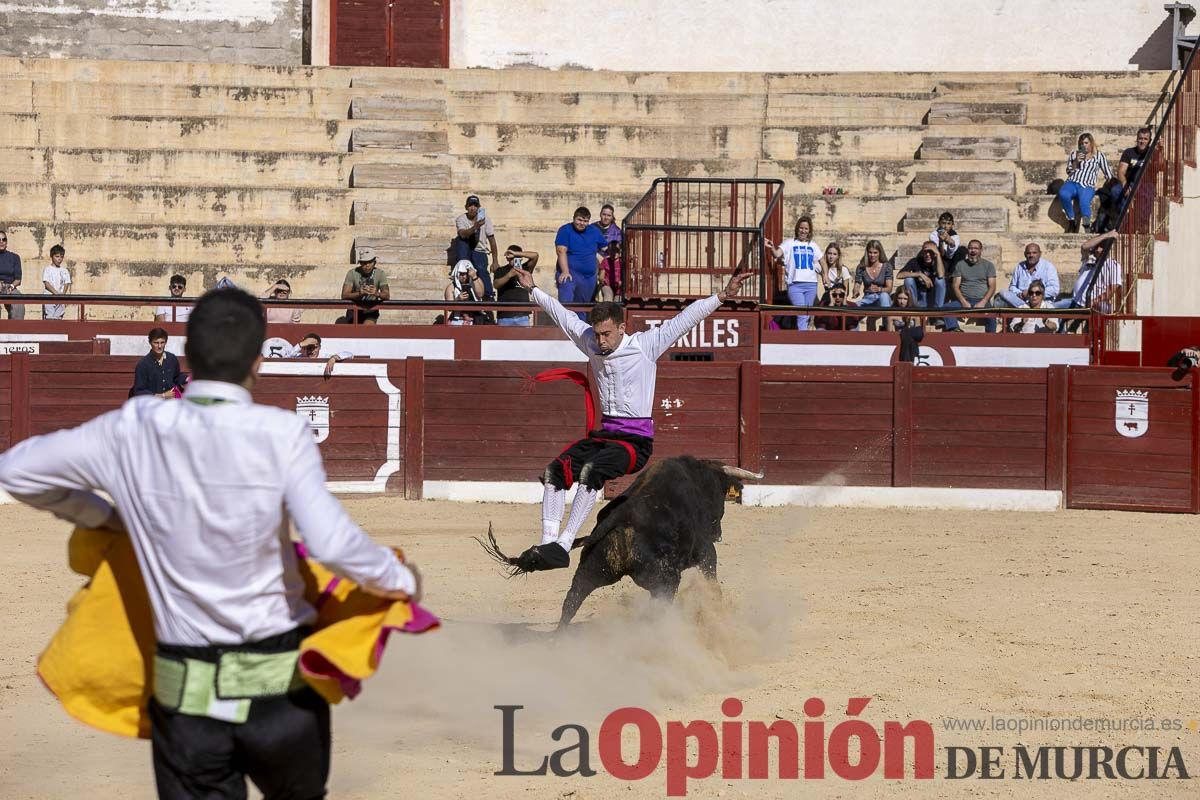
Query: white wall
(1175, 289)
(811, 35)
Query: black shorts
(599, 458)
(363, 315)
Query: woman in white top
(834, 271)
(800, 259)
(1084, 165)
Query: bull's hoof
(542, 557)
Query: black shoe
(543, 557)
(1073, 225)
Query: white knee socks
(581, 506)
(553, 502)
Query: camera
(1183, 364)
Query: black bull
(667, 521)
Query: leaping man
(625, 365)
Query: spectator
(1033, 268)
(476, 238)
(1037, 300)
(833, 270)
(577, 245)
(56, 279)
(177, 286)
(1106, 286)
(911, 329)
(310, 347)
(925, 277)
(973, 286)
(510, 289)
(282, 290)
(608, 224)
(464, 286)
(946, 239)
(799, 259)
(837, 298)
(366, 286)
(610, 275)
(10, 277)
(902, 298)
(1084, 164)
(873, 279)
(158, 372)
(1131, 163)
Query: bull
(667, 521)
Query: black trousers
(599, 458)
(283, 746)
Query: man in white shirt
(625, 365)
(56, 279)
(174, 313)
(206, 489)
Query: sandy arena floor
(933, 615)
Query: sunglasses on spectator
(838, 295)
(177, 286)
(1036, 293)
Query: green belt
(223, 689)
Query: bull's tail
(492, 548)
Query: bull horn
(744, 474)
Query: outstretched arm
(575, 328)
(669, 332)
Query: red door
(389, 33)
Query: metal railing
(687, 235)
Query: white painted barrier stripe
(903, 497)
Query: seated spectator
(946, 239)
(509, 289)
(158, 372)
(911, 329)
(577, 245)
(465, 287)
(476, 238)
(902, 298)
(798, 259)
(1084, 165)
(608, 224)
(833, 270)
(1037, 300)
(973, 286)
(1105, 288)
(177, 286)
(925, 277)
(837, 298)
(56, 279)
(873, 279)
(310, 347)
(609, 274)
(282, 290)
(366, 286)
(1131, 163)
(10, 277)
(1033, 268)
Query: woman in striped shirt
(1083, 165)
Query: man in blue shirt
(10, 277)
(158, 372)
(578, 244)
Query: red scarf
(580, 380)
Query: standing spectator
(946, 239)
(577, 245)
(10, 277)
(873, 279)
(837, 298)
(1106, 286)
(902, 298)
(610, 274)
(608, 224)
(833, 270)
(1033, 268)
(509, 287)
(56, 279)
(282, 290)
(476, 238)
(177, 286)
(158, 372)
(925, 277)
(973, 286)
(1131, 163)
(1084, 164)
(799, 260)
(1037, 300)
(366, 286)
(911, 329)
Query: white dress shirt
(205, 487)
(627, 375)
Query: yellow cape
(100, 662)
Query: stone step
(413, 176)
(951, 112)
(403, 140)
(393, 250)
(976, 147)
(645, 140)
(397, 107)
(998, 86)
(85, 70)
(992, 252)
(122, 99)
(976, 220)
(540, 81)
(613, 108)
(1123, 82)
(964, 183)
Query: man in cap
(366, 286)
(476, 238)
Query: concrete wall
(812, 35)
(237, 31)
(1176, 283)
